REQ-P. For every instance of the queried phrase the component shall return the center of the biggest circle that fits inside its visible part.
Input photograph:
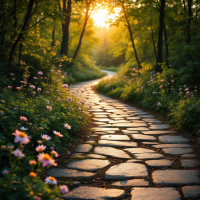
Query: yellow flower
(32, 174)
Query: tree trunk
(24, 28)
(84, 26)
(65, 27)
(189, 21)
(53, 37)
(159, 60)
(131, 35)
(154, 46)
(166, 46)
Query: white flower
(45, 137)
(32, 86)
(18, 153)
(67, 126)
(5, 171)
(64, 189)
(51, 180)
(159, 104)
(23, 128)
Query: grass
(111, 68)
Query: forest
(45, 46)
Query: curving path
(131, 155)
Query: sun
(101, 16)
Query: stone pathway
(134, 155)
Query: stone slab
(138, 129)
(161, 146)
(139, 150)
(156, 132)
(140, 137)
(134, 161)
(83, 148)
(175, 177)
(149, 120)
(146, 116)
(191, 191)
(69, 173)
(159, 126)
(177, 151)
(129, 125)
(147, 156)
(159, 163)
(189, 155)
(110, 151)
(126, 171)
(115, 137)
(88, 164)
(189, 163)
(155, 194)
(94, 193)
(172, 139)
(95, 156)
(150, 143)
(131, 183)
(117, 143)
(126, 132)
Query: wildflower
(46, 159)
(52, 71)
(1, 112)
(40, 148)
(3, 146)
(51, 180)
(39, 142)
(23, 118)
(69, 99)
(18, 88)
(142, 87)
(67, 126)
(40, 73)
(9, 87)
(52, 148)
(21, 137)
(57, 42)
(83, 112)
(32, 162)
(68, 152)
(18, 153)
(64, 189)
(47, 101)
(32, 174)
(172, 81)
(57, 134)
(54, 153)
(159, 104)
(32, 86)
(5, 171)
(13, 79)
(59, 99)
(10, 147)
(45, 137)
(64, 85)
(35, 78)
(59, 71)
(11, 74)
(37, 198)
(30, 124)
(39, 89)
(49, 107)
(59, 65)
(23, 128)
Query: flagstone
(189, 155)
(69, 173)
(150, 120)
(159, 163)
(146, 116)
(126, 171)
(138, 129)
(160, 146)
(110, 151)
(94, 193)
(172, 139)
(115, 137)
(133, 118)
(100, 116)
(129, 125)
(134, 161)
(159, 126)
(175, 177)
(83, 148)
(191, 191)
(177, 151)
(127, 132)
(147, 156)
(139, 150)
(150, 143)
(156, 132)
(101, 120)
(155, 193)
(88, 164)
(189, 163)
(140, 137)
(131, 183)
(117, 143)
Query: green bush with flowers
(164, 92)
(39, 118)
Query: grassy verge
(162, 92)
(111, 68)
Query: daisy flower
(23, 118)
(11, 74)
(39, 89)
(57, 134)
(40, 148)
(40, 73)
(64, 189)
(54, 153)
(5, 171)
(23, 128)
(51, 180)
(45, 137)
(32, 162)
(46, 159)
(21, 137)
(32, 86)
(67, 126)
(18, 153)
(49, 107)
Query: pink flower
(9, 87)
(64, 189)
(51, 180)
(23, 118)
(11, 74)
(46, 159)
(18, 88)
(21, 137)
(59, 65)
(49, 107)
(54, 153)
(35, 78)
(67, 126)
(40, 73)
(40, 148)
(18, 153)
(83, 112)
(32, 86)
(57, 134)
(45, 137)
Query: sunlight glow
(102, 16)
